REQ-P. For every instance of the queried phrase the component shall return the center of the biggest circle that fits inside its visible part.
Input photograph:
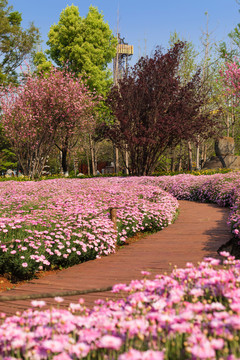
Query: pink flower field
(59, 223)
(194, 313)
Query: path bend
(198, 232)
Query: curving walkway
(198, 232)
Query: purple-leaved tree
(155, 110)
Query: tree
(186, 70)
(87, 45)
(39, 111)
(15, 43)
(42, 64)
(155, 110)
(230, 53)
(230, 75)
(187, 65)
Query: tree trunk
(197, 153)
(233, 122)
(172, 159)
(189, 156)
(204, 153)
(92, 150)
(228, 125)
(127, 160)
(75, 164)
(64, 161)
(180, 158)
(88, 163)
(116, 160)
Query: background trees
(16, 45)
(43, 111)
(15, 42)
(160, 114)
(155, 110)
(230, 78)
(87, 46)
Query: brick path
(198, 232)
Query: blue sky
(144, 23)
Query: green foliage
(229, 51)
(15, 42)
(7, 160)
(187, 67)
(7, 157)
(41, 62)
(87, 45)
(194, 172)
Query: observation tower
(120, 62)
(120, 68)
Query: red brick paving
(198, 232)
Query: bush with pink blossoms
(194, 313)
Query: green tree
(187, 66)
(41, 62)
(87, 45)
(15, 42)
(186, 70)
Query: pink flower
(110, 342)
(204, 350)
(62, 356)
(132, 354)
(224, 253)
(38, 303)
(145, 273)
(152, 355)
(53, 345)
(58, 299)
(119, 287)
(80, 349)
(24, 264)
(217, 344)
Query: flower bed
(192, 314)
(222, 189)
(62, 222)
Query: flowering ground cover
(62, 222)
(222, 189)
(194, 313)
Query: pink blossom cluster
(194, 313)
(62, 222)
(230, 76)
